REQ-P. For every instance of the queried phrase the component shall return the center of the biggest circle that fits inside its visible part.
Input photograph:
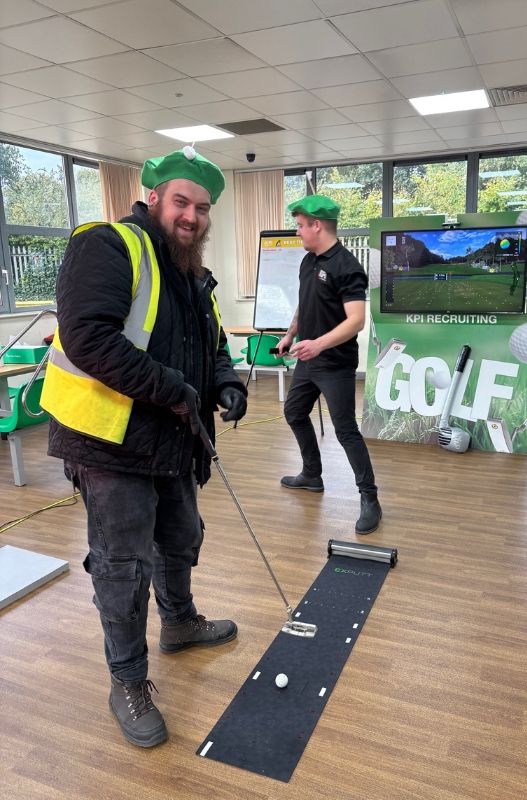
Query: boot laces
(200, 623)
(140, 699)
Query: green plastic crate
(25, 355)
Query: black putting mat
(265, 729)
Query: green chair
(13, 423)
(236, 360)
(263, 360)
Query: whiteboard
(276, 300)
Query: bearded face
(180, 209)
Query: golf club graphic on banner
(447, 355)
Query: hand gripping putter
(305, 629)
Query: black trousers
(338, 387)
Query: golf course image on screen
(472, 270)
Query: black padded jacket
(93, 300)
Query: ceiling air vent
(248, 126)
(508, 95)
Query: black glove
(188, 407)
(235, 402)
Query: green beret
(315, 205)
(188, 164)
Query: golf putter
(454, 439)
(499, 435)
(389, 353)
(292, 626)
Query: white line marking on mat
(355, 624)
(322, 692)
(348, 640)
(298, 613)
(206, 749)
(256, 676)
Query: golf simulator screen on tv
(472, 270)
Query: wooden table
(14, 439)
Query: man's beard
(186, 257)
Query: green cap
(185, 163)
(315, 205)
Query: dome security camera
(250, 157)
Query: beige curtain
(259, 206)
(120, 187)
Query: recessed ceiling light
(196, 133)
(454, 101)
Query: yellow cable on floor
(13, 522)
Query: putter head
(454, 439)
(305, 629)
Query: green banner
(412, 355)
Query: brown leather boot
(140, 721)
(196, 631)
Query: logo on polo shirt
(322, 275)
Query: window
(36, 219)
(34, 187)
(295, 188)
(357, 189)
(502, 183)
(87, 192)
(434, 188)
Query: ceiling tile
(238, 16)
(126, 69)
(489, 47)
(276, 138)
(15, 61)
(395, 125)
(56, 135)
(462, 118)
(488, 15)
(332, 7)
(517, 111)
(141, 25)
(449, 80)
(11, 123)
(326, 133)
(54, 112)
(214, 56)
(59, 40)
(468, 131)
(216, 113)
(13, 96)
(103, 127)
(515, 126)
(250, 83)
(113, 102)
(331, 71)
(104, 147)
(355, 143)
(56, 82)
(358, 93)
(409, 137)
(158, 120)
(273, 104)
(412, 23)
(306, 149)
(65, 6)
(416, 58)
(310, 119)
(506, 73)
(373, 111)
(291, 43)
(23, 11)
(166, 94)
(147, 140)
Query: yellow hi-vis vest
(76, 399)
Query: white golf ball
(439, 379)
(281, 680)
(518, 343)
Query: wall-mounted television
(471, 270)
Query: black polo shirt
(327, 282)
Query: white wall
(221, 258)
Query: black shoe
(196, 631)
(140, 721)
(370, 514)
(302, 482)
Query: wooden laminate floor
(432, 704)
